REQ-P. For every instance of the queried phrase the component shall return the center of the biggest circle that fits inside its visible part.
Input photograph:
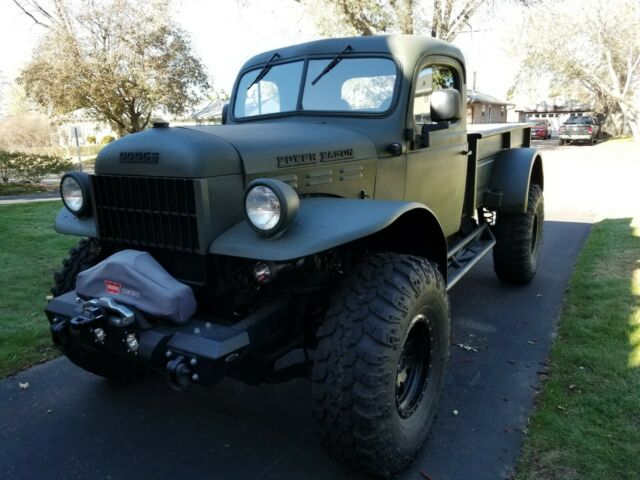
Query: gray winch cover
(134, 278)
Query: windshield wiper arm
(264, 70)
(332, 64)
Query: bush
(107, 139)
(10, 189)
(91, 139)
(7, 165)
(34, 167)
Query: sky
(225, 33)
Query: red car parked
(542, 130)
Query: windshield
(359, 85)
(541, 123)
(276, 92)
(579, 121)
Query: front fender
(321, 224)
(513, 172)
(67, 223)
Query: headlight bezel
(287, 198)
(82, 181)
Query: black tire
(85, 255)
(373, 409)
(518, 240)
(560, 142)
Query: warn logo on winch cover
(112, 287)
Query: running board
(467, 252)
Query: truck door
(437, 168)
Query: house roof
(567, 107)
(479, 97)
(213, 109)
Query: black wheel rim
(414, 366)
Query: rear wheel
(84, 256)
(380, 362)
(518, 240)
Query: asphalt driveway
(70, 424)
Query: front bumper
(565, 136)
(199, 351)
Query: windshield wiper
(265, 70)
(332, 63)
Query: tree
(588, 48)
(122, 60)
(27, 132)
(443, 19)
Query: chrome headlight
(270, 206)
(75, 192)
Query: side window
(433, 77)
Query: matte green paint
(345, 156)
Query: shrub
(91, 139)
(7, 165)
(34, 167)
(107, 139)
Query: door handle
(465, 152)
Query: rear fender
(325, 223)
(513, 172)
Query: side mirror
(225, 112)
(445, 105)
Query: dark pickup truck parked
(580, 129)
(315, 234)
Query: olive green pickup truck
(314, 234)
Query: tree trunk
(405, 16)
(633, 118)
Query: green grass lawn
(30, 251)
(587, 421)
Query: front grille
(147, 211)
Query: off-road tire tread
(81, 257)
(360, 330)
(512, 258)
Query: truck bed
(483, 130)
(486, 141)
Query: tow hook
(179, 373)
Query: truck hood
(215, 150)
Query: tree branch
(30, 15)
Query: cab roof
(407, 49)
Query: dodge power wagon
(315, 233)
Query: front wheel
(518, 240)
(380, 362)
(84, 256)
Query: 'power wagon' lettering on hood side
(297, 159)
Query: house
(211, 112)
(483, 108)
(556, 113)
